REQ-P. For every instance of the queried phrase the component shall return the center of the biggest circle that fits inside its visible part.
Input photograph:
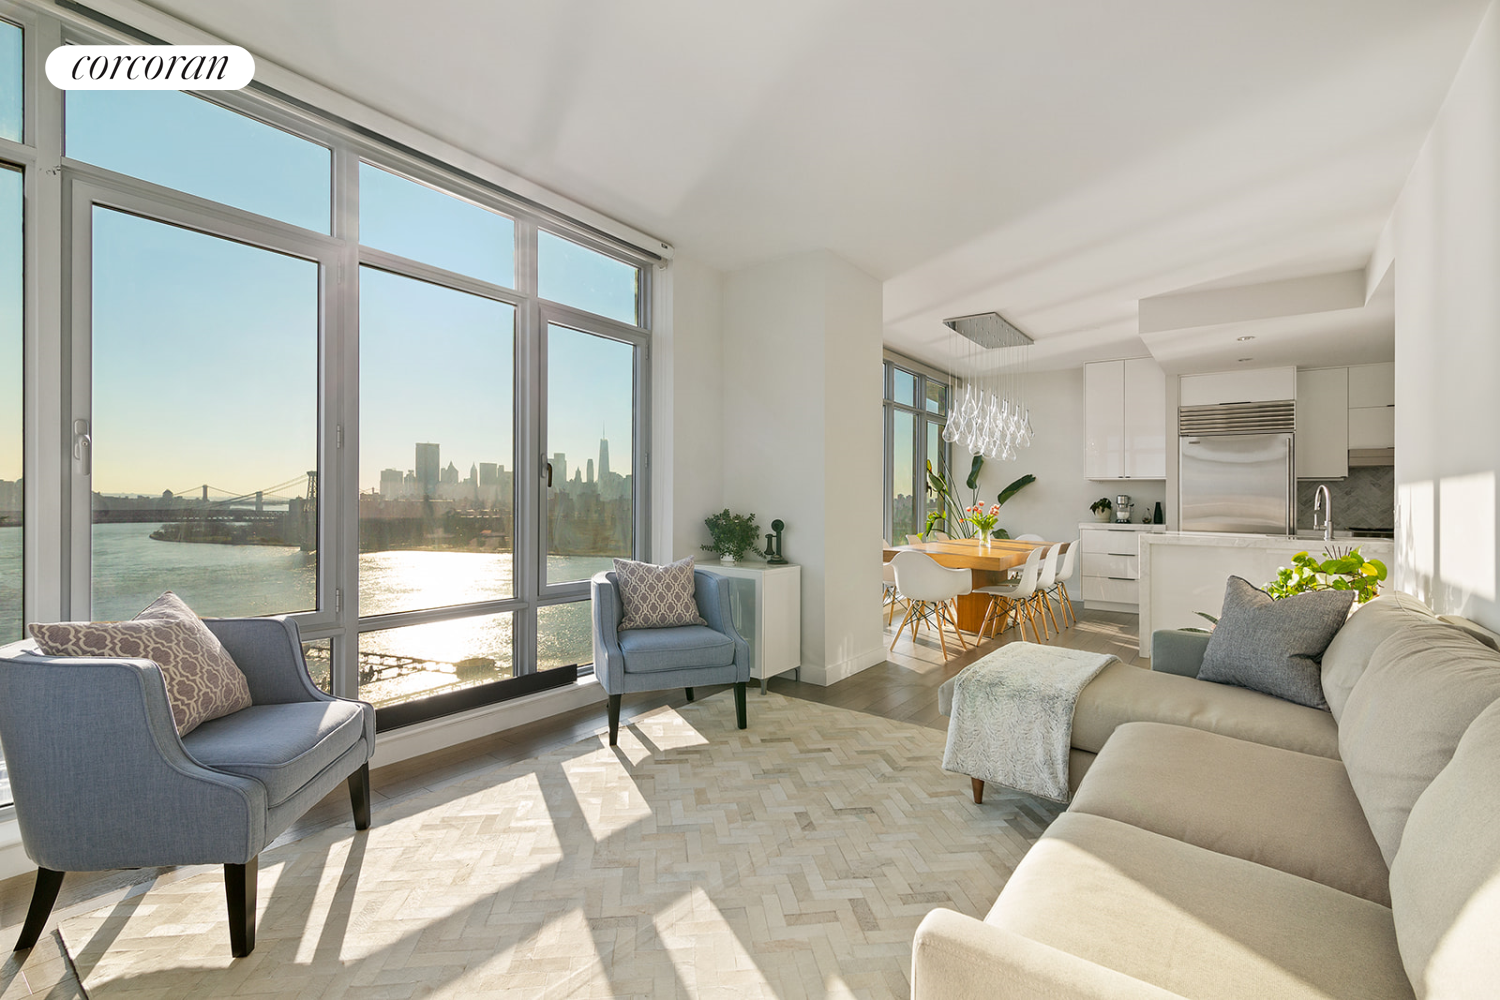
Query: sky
(205, 350)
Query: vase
(726, 560)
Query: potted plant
(1102, 508)
(732, 534)
(950, 514)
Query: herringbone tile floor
(902, 689)
(793, 859)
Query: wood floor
(904, 687)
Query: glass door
(590, 482)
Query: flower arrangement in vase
(983, 520)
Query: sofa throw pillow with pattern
(1275, 647)
(201, 678)
(654, 596)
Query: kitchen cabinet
(1372, 385)
(1322, 442)
(1258, 385)
(1109, 566)
(1372, 406)
(1145, 420)
(1372, 427)
(1125, 420)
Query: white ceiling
(1055, 162)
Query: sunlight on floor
(707, 952)
(608, 803)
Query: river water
(131, 570)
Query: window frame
(921, 419)
(58, 190)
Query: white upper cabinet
(1372, 406)
(1257, 385)
(1125, 420)
(1372, 385)
(1323, 423)
(1145, 420)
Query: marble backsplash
(1367, 499)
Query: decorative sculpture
(773, 551)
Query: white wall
(1054, 505)
(695, 480)
(801, 392)
(1447, 259)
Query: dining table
(989, 561)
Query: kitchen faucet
(1323, 501)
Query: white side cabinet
(1322, 423)
(1125, 420)
(765, 603)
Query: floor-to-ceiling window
(305, 371)
(916, 410)
(12, 342)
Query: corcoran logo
(150, 67)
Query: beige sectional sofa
(1223, 843)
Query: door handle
(547, 471)
(83, 446)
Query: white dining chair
(913, 539)
(927, 588)
(891, 595)
(1045, 581)
(938, 536)
(1013, 601)
(1059, 589)
(1028, 538)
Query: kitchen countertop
(1117, 526)
(1184, 572)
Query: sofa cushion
(1445, 881)
(648, 651)
(655, 596)
(1195, 922)
(281, 746)
(202, 680)
(1274, 646)
(1288, 810)
(1346, 657)
(1123, 693)
(1405, 716)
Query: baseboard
(450, 730)
(832, 673)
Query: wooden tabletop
(971, 553)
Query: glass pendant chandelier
(991, 358)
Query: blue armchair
(655, 659)
(101, 779)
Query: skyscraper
(603, 457)
(559, 468)
(427, 470)
(591, 471)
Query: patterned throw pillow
(202, 680)
(1275, 647)
(657, 596)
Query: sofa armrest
(268, 652)
(956, 957)
(609, 661)
(101, 779)
(1176, 651)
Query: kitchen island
(1184, 572)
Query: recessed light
(1244, 338)
(1243, 360)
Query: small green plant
(1350, 571)
(732, 533)
(1103, 503)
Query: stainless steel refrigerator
(1235, 470)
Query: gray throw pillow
(1274, 647)
(654, 596)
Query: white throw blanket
(1012, 716)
